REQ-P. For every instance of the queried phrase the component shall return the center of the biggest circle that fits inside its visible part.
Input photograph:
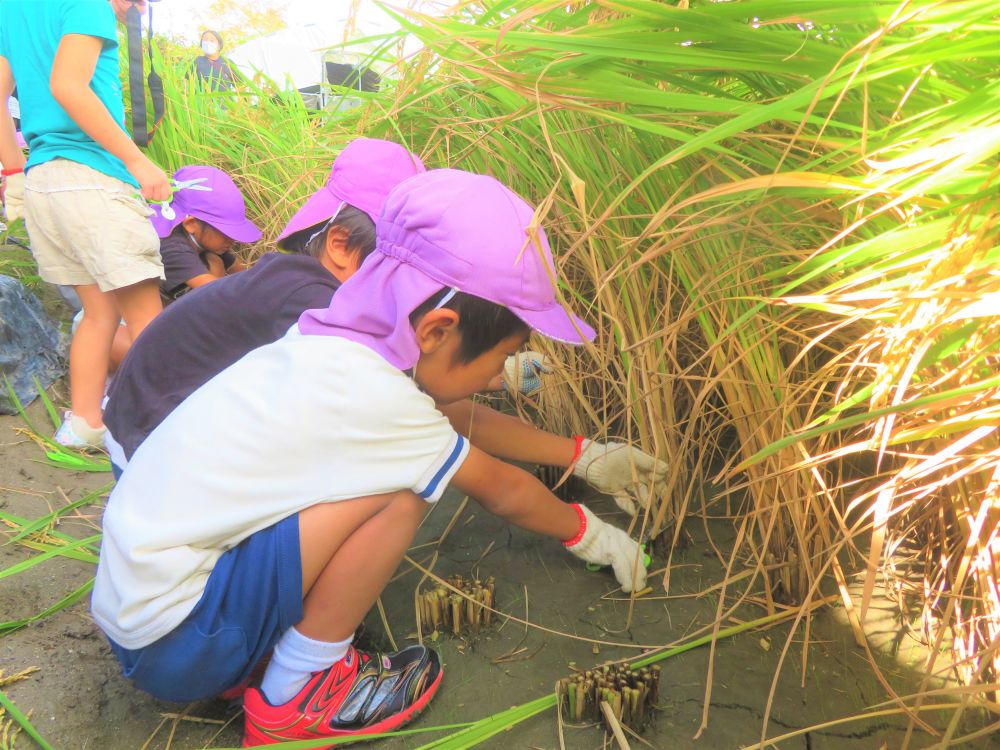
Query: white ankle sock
(295, 659)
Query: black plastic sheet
(31, 346)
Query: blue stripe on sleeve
(447, 468)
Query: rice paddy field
(782, 216)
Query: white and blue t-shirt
(302, 421)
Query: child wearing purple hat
(334, 449)
(198, 229)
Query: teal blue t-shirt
(30, 32)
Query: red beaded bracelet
(12, 170)
(583, 526)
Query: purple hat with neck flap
(362, 176)
(447, 229)
(208, 194)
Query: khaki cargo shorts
(86, 227)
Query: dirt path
(79, 700)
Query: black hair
(180, 231)
(213, 33)
(201, 222)
(355, 223)
(482, 324)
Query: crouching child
(199, 228)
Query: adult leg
(90, 353)
(119, 348)
(139, 304)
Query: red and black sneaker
(363, 693)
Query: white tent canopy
(297, 55)
(293, 54)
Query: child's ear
(191, 224)
(435, 328)
(338, 253)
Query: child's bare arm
(72, 69)
(613, 467)
(522, 500)
(10, 155)
(201, 279)
(515, 495)
(507, 437)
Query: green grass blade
(51, 518)
(50, 553)
(310, 744)
(86, 555)
(869, 416)
(59, 456)
(23, 721)
(71, 598)
(49, 408)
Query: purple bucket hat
(447, 228)
(208, 194)
(362, 176)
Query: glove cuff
(583, 526)
(580, 463)
(579, 439)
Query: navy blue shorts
(253, 595)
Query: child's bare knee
(99, 318)
(409, 503)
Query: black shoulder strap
(154, 81)
(142, 133)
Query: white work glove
(608, 467)
(13, 196)
(522, 372)
(604, 544)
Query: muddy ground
(78, 699)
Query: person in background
(198, 229)
(211, 67)
(84, 185)
(327, 451)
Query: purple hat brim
(320, 207)
(241, 231)
(556, 324)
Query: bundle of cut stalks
(631, 694)
(459, 614)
